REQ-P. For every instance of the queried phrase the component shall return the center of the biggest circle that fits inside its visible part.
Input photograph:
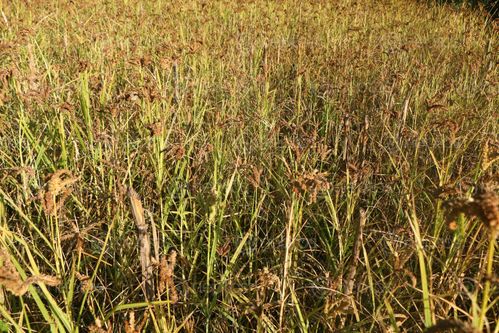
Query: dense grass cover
(235, 166)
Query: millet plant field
(248, 166)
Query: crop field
(248, 166)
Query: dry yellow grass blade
(144, 241)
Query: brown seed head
(484, 205)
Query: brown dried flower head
(11, 279)
(311, 183)
(484, 205)
(86, 282)
(155, 129)
(490, 155)
(255, 176)
(166, 273)
(97, 327)
(132, 327)
(224, 249)
(268, 280)
(56, 191)
(451, 324)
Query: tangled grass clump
(220, 166)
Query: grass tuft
(222, 166)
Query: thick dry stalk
(350, 279)
(155, 240)
(144, 241)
